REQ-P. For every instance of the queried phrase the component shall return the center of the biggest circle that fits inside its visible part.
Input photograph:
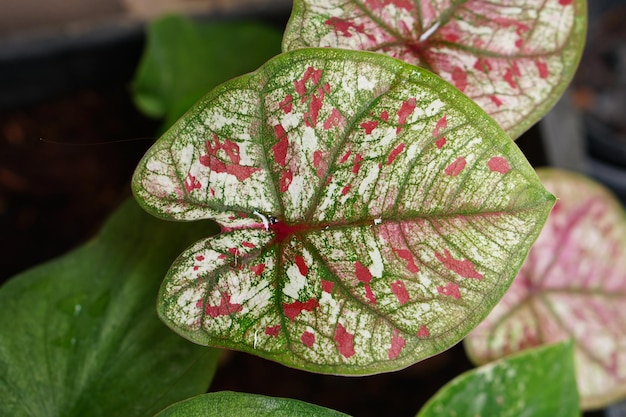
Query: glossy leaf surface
(540, 383)
(371, 214)
(514, 58)
(573, 285)
(237, 404)
(184, 59)
(79, 336)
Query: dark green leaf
(538, 383)
(185, 59)
(79, 336)
(236, 404)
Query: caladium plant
(573, 285)
(371, 214)
(514, 58)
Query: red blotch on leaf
(248, 245)
(423, 331)
(405, 111)
(343, 26)
(272, 330)
(495, 100)
(363, 273)
(258, 269)
(216, 164)
(450, 290)
(224, 309)
(334, 119)
(345, 341)
(327, 286)
(369, 126)
(441, 124)
(384, 115)
(510, 74)
(308, 339)
(286, 105)
(499, 164)
(440, 142)
(302, 266)
(345, 190)
(459, 78)
(455, 167)
(394, 153)
(400, 4)
(398, 288)
(191, 183)
(408, 257)
(542, 67)
(356, 164)
(292, 310)
(397, 344)
(464, 268)
(312, 74)
(285, 180)
(310, 116)
(565, 2)
(345, 157)
(200, 258)
(483, 65)
(281, 147)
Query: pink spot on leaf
(510, 74)
(459, 78)
(281, 147)
(311, 74)
(286, 105)
(327, 286)
(315, 104)
(400, 4)
(308, 339)
(408, 257)
(216, 164)
(450, 290)
(302, 266)
(285, 180)
(565, 2)
(369, 294)
(369, 126)
(398, 288)
(384, 115)
(356, 164)
(440, 142)
(363, 273)
(423, 331)
(441, 124)
(224, 309)
(397, 344)
(292, 310)
(317, 158)
(343, 26)
(483, 65)
(258, 269)
(455, 167)
(542, 67)
(191, 183)
(394, 153)
(344, 340)
(334, 119)
(464, 268)
(405, 111)
(248, 245)
(345, 157)
(495, 100)
(272, 330)
(499, 164)
(345, 190)
(200, 258)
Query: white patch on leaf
(296, 282)
(377, 267)
(365, 83)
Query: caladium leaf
(540, 382)
(239, 404)
(371, 214)
(573, 285)
(514, 58)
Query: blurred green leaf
(538, 383)
(79, 336)
(236, 404)
(184, 59)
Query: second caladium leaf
(514, 58)
(371, 214)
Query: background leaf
(79, 336)
(184, 59)
(540, 383)
(372, 214)
(238, 404)
(573, 285)
(514, 59)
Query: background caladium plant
(573, 285)
(371, 214)
(514, 58)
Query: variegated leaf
(514, 58)
(371, 214)
(573, 285)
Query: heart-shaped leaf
(238, 404)
(573, 285)
(79, 336)
(540, 383)
(372, 214)
(514, 59)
